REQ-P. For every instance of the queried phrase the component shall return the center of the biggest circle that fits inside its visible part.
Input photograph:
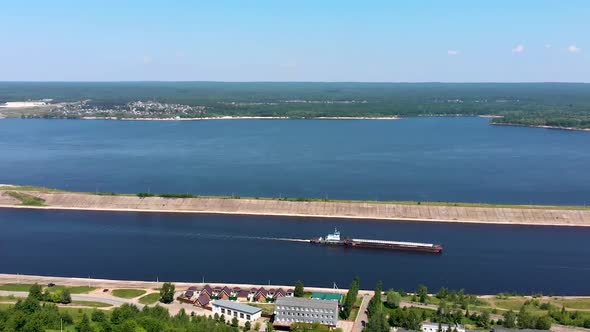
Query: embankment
(464, 213)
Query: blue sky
(281, 40)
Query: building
(290, 310)
(235, 309)
(327, 296)
(433, 327)
(261, 295)
(203, 300)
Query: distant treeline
(551, 104)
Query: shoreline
(11, 278)
(294, 215)
(121, 283)
(241, 118)
(540, 126)
(392, 211)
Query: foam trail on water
(246, 237)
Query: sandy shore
(526, 215)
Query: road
(362, 315)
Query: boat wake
(247, 237)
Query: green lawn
(16, 287)
(581, 303)
(150, 298)
(72, 289)
(128, 293)
(94, 304)
(9, 298)
(513, 304)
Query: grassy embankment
(26, 199)
(20, 189)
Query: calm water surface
(480, 258)
(437, 159)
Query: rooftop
(326, 296)
(309, 303)
(237, 306)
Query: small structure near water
(237, 310)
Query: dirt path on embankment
(525, 215)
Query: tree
(378, 322)
(84, 325)
(167, 293)
(525, 320)
(36, 292)
(509, 319)
(257, 326)
(98, 316)
(442, 293)
(422, 293)
(235, 322)
(543, 323)
(375, 304)
(350, 297)
(269, 327)
(247, 326)
(299, 289)
(65, 296)
(483, 319)
(393, 299)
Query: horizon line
(264, 81)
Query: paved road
(362, 316)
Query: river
(423, 159)
(483, 259)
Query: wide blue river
(434, 159)
(480, 258)
(424, 159)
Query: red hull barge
(334, 239)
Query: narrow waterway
(247, 249)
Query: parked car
(50, 284)
(105, 290)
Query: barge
(335, 240)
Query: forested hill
(555, 104)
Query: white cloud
(574, 49)
(453, 52)
(147, 60)
(518, 49)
